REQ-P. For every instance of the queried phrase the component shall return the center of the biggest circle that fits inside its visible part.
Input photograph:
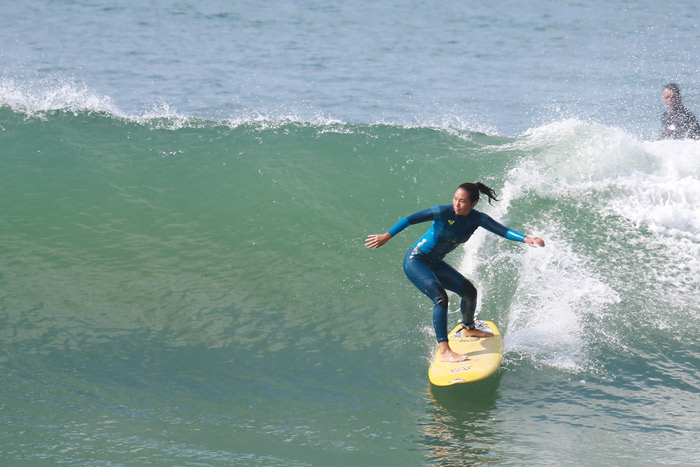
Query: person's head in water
(467, 195)
(672, 96)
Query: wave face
(173, 284)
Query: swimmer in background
(677, 122)
(451, 226)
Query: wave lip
(37, 98)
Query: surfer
(424, 266)
(677, 122)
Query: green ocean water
(185, 190)
(190, 292)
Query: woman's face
(461, 202)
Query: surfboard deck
(485, 355)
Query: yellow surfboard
(485, 355)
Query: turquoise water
(184, 279)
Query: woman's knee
(469, 291)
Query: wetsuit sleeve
(399, 226)
(515, 236)
(492, 226)
(415, 218)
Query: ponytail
(473, 189)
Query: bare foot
(475, 333)
(448, 355)
(454, 357)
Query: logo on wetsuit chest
(450, 222)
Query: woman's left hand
(534, 241)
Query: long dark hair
(473, 189)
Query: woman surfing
(424, 265)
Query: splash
(36, 98)
(622, 226)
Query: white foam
(557, 297)
(664, 205)
(572, 153)
(637, 188)
(676, 159)
(38, 97)
(653, 184)
(649, 192)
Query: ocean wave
(623, 230)
(35, 98)
(38, 98)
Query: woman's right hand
(375, 241)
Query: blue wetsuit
(424, 265)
